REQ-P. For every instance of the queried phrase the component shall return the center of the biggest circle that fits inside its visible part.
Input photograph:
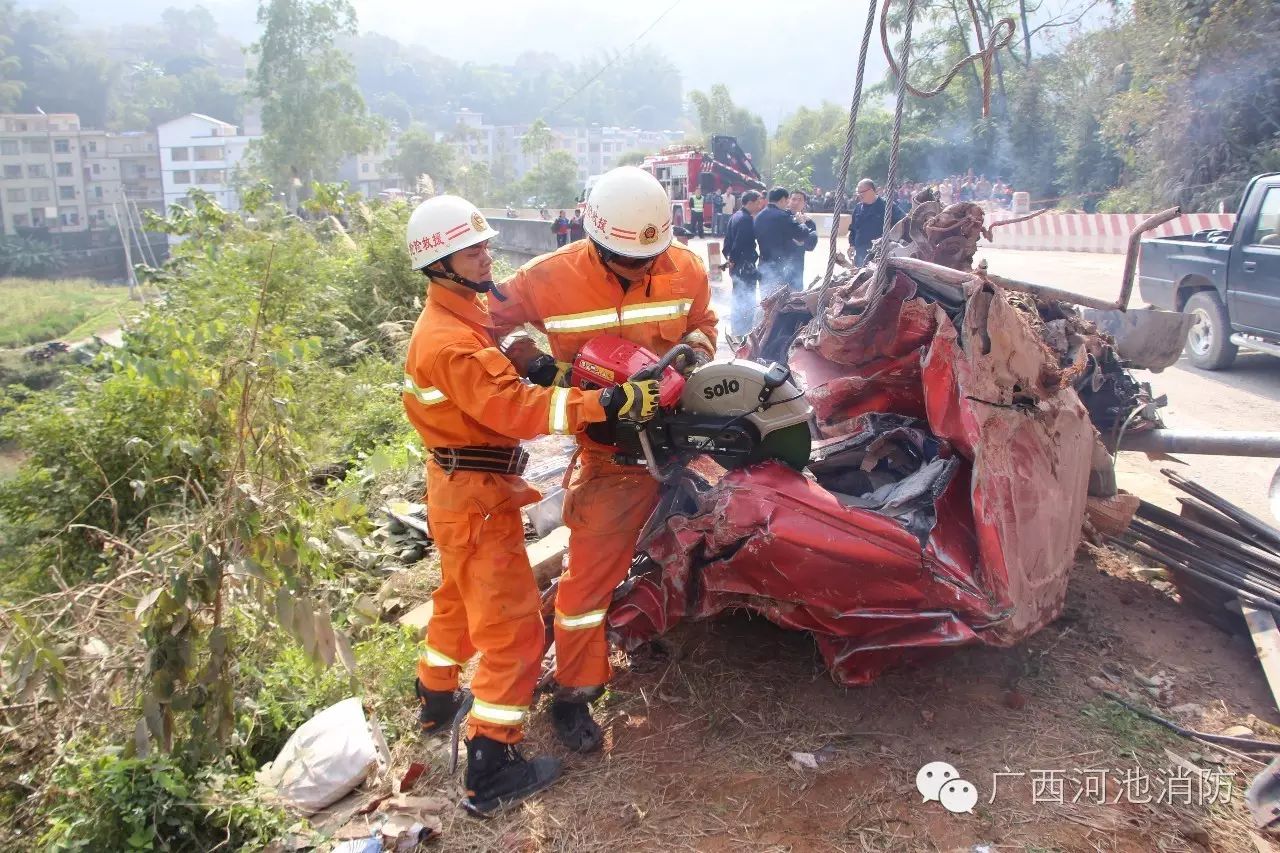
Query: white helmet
(628, 213)
(443, 225)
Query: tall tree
(60, 71)
(717, 113)
(418, 154)
(10, 85)
(554, 181)
(312, 113)
(537, 140)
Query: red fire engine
(725, 167)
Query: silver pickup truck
(1229, 280)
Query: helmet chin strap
(477, 286)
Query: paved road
(1246, 397)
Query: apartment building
(370, 173)
(595, 149)
(60, 178)
(200, 152)
(41, 173)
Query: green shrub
(283, 689)
(100, 800)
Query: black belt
(495, 460)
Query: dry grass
(698, 742)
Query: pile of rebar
(1216, 552)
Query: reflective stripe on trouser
(604, 509)
(488, 602)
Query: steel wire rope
(847, 156)
(895, 144)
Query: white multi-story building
(200, 152)
(370, 173)
(595, 149)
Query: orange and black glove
(635, 401)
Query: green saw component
(790, 444)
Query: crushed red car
(944, 500)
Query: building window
(182, 176)
(95, 168)
(179, 154)
(97, 192)
(20, 220)
(209, 176)
(15, 195)
(9, 146)
(64, 170)
(128, 149)
(62, 146)
(364, 167)
(93, 147)
(37, 146)
(100, 215)
(21, 127)
(37, 217)
(12, 172)
(39, 193)
(208, 153)
(69, 216)
(37, 170)
(66, 193)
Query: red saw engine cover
(610, 360)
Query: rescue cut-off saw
(738, 412)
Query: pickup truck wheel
(1209, 344)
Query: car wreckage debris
(956, 427)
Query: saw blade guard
(763, 395)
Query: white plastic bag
(328, 756)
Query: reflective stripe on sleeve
(426, 396)
(435, 658)
(577, 623)
(655, 311)
(503, 715)
(584, 322)
(558, 415)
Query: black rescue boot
(499, 776)
(574, 726)
(436, 708)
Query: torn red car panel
(942, 507)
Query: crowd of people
(997, 194)
(767, 237)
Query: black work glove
(547, 372)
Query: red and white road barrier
(1092, 232)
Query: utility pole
(128, 256)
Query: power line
(611, 62)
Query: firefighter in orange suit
(471, 408)
(627, 279)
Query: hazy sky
(774, 55)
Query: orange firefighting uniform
(572, 297)
(460, 391)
